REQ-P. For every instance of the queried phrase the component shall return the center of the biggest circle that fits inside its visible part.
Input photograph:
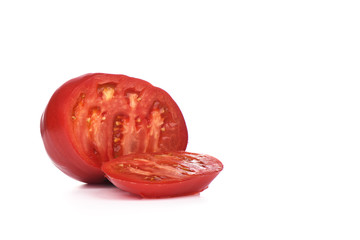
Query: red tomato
(166, 174)
(97, 117)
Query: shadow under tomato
(105, 191)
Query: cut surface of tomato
(97, 117)
(166, 174)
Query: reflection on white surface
(108, 191)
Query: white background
(271, 88)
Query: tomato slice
(97, 117)
(166, 174)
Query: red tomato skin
(166, 190)
(57, 141)
(56, 130)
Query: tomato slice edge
(169, 170)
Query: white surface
(271, 88)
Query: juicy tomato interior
(121, 116)
(161, 168)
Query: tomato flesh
(165, 174)
(97, 117)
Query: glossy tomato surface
(97, 117)
(160, 175)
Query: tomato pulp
(166, 174)
(97, 117)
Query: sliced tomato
(167, 174)
(97, 117)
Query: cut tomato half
(166, 174)
(97, 117)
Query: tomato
(167, 174)
(97, 117)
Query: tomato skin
(186, 185)
(152, 190)
(58, 134)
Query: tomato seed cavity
(106, 91)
